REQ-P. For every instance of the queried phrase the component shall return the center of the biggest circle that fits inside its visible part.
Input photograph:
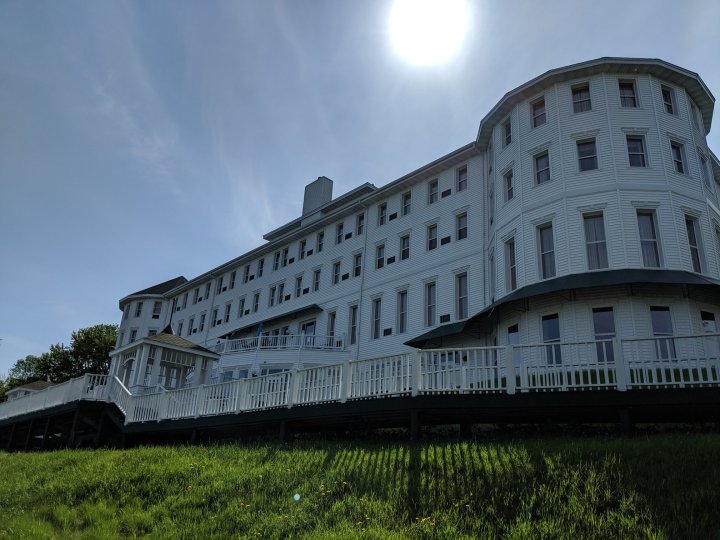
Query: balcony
(292, 342)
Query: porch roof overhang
(312, 308)
(584, 280)
(171, 342)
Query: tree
(90, 348)
(3, 389)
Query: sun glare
(428, 31)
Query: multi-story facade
(587, 208)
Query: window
(461, 296)
(376, 317)
(668, 97)
(542, 168)
(196, 295)
(298, 286)
(461, 183)
(133, 333)
(636, 151)
(339, 234)
(513, 338)
(359, 224)
(432, 237)
(233, 275)
(551, 334)
(581, 98)
(353, 318)
(507, 132)
(509, 189)
(705, 172)
(336, 273)
(694, 115)
(707, 320)
(661, 321)
(461, 226)
(276, 260)
(491, 268)
(379, 256)
(271, 298)
(510, 265)
(316, 280)
(285, 254)
(595, 244)
(538, 113)
(331, 319)
(120, 339)
(219, 284)
(432, 191)
(430, 303)
(207, 290)
(382, 214)
(319, 241)
(404, 247)
(691, 227)
(256, 302)
(157, 308)
(547, 251)
(648, 239)
(215, 320)
(402, 312)
(246, 274)
(226, 317)
(191, 323)
(241, 307)
(628, 96)
(406, 203)
(357, 264)
(281, 293)
(138, 309)
(677, 156)
(260, 267)
(202, 322)
(604, 328)
(185, 300)
(302, 248)
(587, 155)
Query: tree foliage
(89, 352)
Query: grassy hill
(661, 486)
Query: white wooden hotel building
(586, 209)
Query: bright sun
(428, 31)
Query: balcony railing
(284, 342)
(613, 364)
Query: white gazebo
(162, 360)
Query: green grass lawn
(658, 486)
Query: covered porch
(163, 361)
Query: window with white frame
(246, 273)
(133, 332)
(271, 296)
(316, 280)
(668, 97)
(302, 249)
(336, 273)
(628, 94)
(196, 295)
(233, 276)
(636, 150)
(256, 302)
(185, 300)
(648, 238)
(379, 256)
(604, 329)
(430, 303)
(547, 250)
(406, 203)
(510, 265)
(359, 224)
(461, 179)
(507, 132)
(281, 293)
(202, 322)
(353, 322)
(382, 214)
(138, 309)
(539, 116)
(661, 320)
(508, 185)
(677, 151)
(157, 308)
(691, 226)
(376, 318)
(218, 285)
(404, 247)
(331, 320)
(207, 290)
(276, 260)
(587, 155)
(595, 243)
(191, 324)
(461, 228)
(461, 296)
(260, 267)
(402, 311)
(241, 307)
(298, 286)
(339, 233)
(542, 167)
(432, 237)
(705, 172)
(694, 115)
(581, 98)
(432, 195)
(226, 316)
(319, 241)
(357, 264)
(215, 320)
(551, 335)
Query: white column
(141, 360)
(198, 375)
(155, 373)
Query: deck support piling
(414, 426)
(71, 437)
(8, 446)
(29, 435)
(46, 431)
(283, 434)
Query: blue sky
(144, 140)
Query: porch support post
(29, 435)
(8, 446)
(46, 432)
(510, 369)
(71, 437)
(155, 373)
(141, 365)
(621, 375)
(416, 372)
(198, 377)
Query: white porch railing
(615, 364)
(291, 342)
